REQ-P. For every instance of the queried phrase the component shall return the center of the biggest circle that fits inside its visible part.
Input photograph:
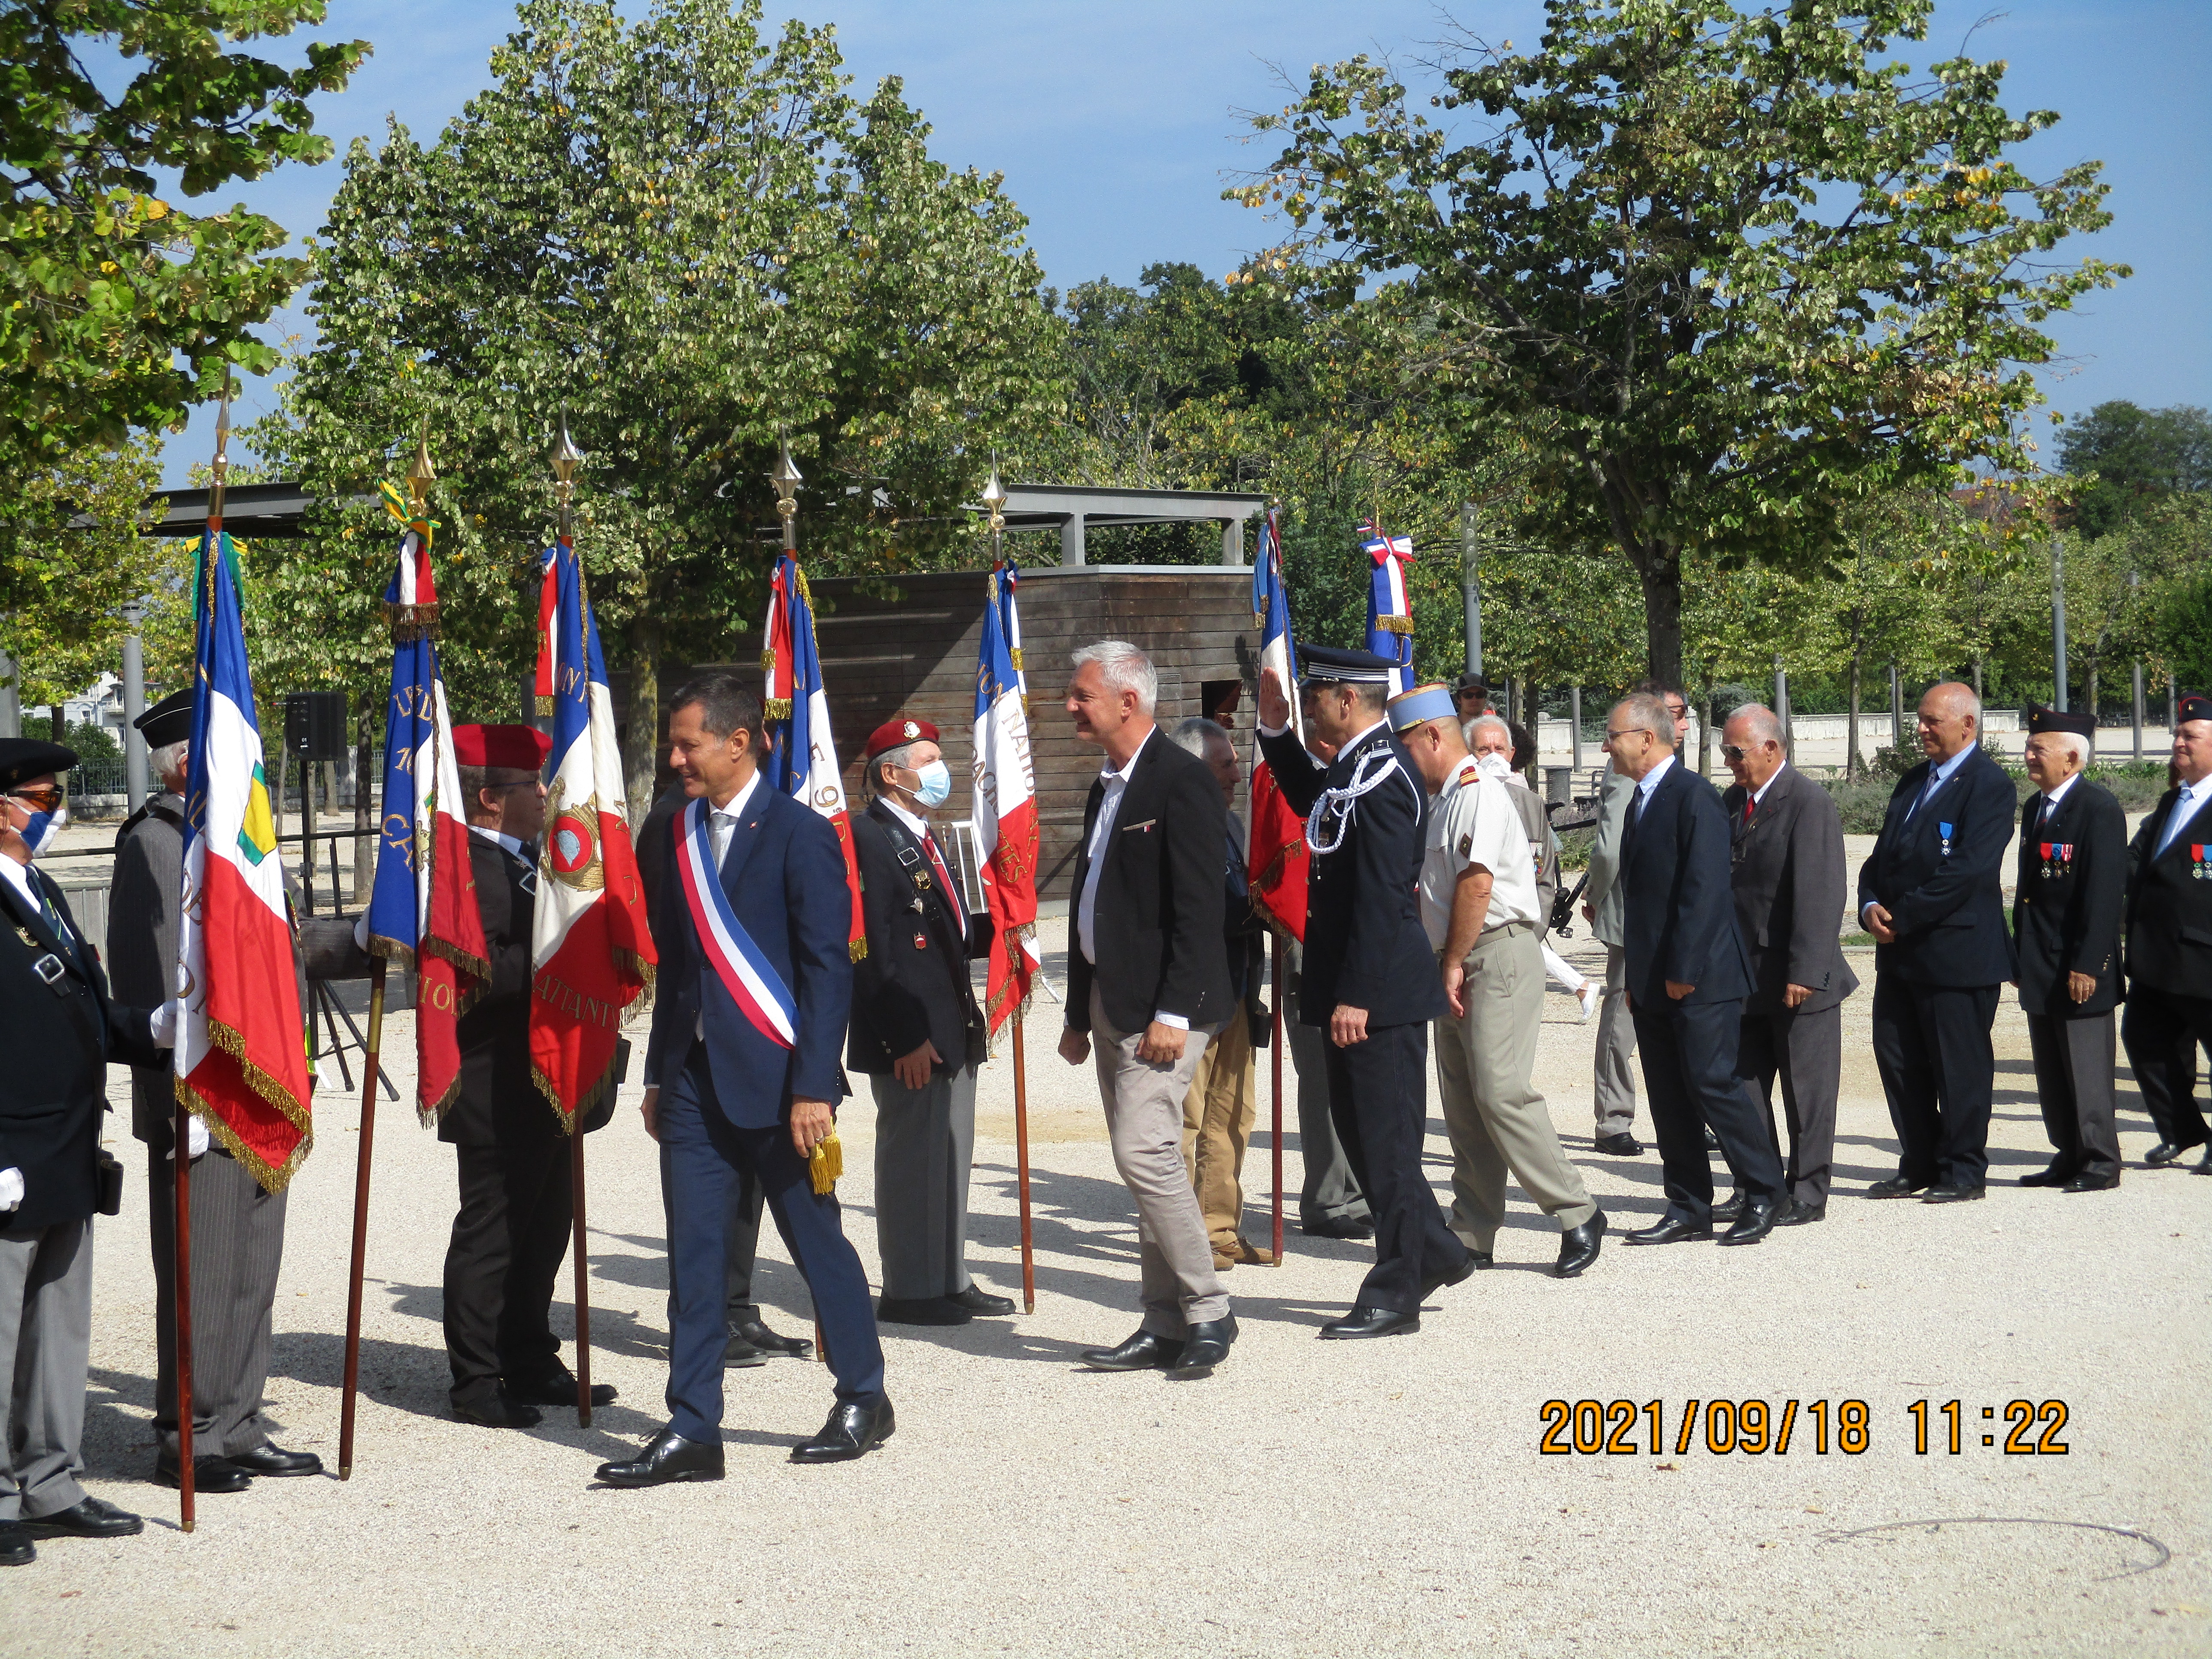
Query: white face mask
(1495, 766)
(933, 784)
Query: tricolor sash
(749, 977)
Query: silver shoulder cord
(1332, 811)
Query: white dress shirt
(1937, 778)
(2052, 797)
(19, 876)
(513, 844)
(1649, 781)
(1760, 793)
(2193, 796)
(1117, 782)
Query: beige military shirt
(1472, 821)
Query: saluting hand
(1274, 702)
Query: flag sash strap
(749, 977)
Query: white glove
(196, 1140)
(360, 931)
(166, 1020)
(11, 1189)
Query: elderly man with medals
(1371, 979)
(917, 1033)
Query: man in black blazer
(1687, 976)
(2170, 943)
(512, 1229)
(1148, 983)
(58, 1031)
(1931, 894)
(2072, 888)
(1370, 978)
(1786, 852)
(917, 1032)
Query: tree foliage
(1732, 269)
(2127, 459)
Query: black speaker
(315, 725)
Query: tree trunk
(1660, 571)
(2089, 690)
(1852, 736)
(1705, 732)
(641, 747)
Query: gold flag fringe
(410, 622)
(1394, 624)
(431, 1116)
(775, 708)
(273, 1178)
(857, 948)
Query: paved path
(1385, 1497)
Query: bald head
(1950, 720)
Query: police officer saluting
(58, 1031)
(2073, 879)
(2170, 943)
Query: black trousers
(1806, 1051)
(741, 1237)
(1931, 1044)
(1688, 1050)
(2162, 1031)
(2074, 1086)
(1378, 1095)
(508, 1244)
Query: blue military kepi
(168, 721)
(2040, 719)
(1325, 665)
(22, 758)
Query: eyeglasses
(1730, 751)
(1678, 711)
(44, 800)
(1632, 731)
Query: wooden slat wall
(912, 644)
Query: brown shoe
(1250, 1256)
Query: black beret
(32, 757)
(2194, 706)
(2040, 719)
(168, 721)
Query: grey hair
(1649, 714)
(1958, 691)
(2074, 745)
(163, 761)
(1124, 668)
(1191, 736)
(1482, 720)
(901, 757)
(1765, 724)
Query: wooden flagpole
(361, 1162)
(1021, 1162)
(1275, 1061)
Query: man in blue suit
(1686, 974)
(1931, 894)
(742, 1075)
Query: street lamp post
(135, 780)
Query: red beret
(898, 730)
(516, 748)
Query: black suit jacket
(497, 1098)
(1364, 946)
(1944, 893)
(145, 905)
(1788, 875)
(913, 985)
(1678, 920)
(1157, 922)
(58, 1038)
(2170, 905)
(2067, 906)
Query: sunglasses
(45, 800)
(1730, 751)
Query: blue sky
(1117, 127)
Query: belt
(1503, 930)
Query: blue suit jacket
(1679, 901)
(1944, 891)
(785, 874)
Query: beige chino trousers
(1217, 1127)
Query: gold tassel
(1394, 624)
(826, 1163)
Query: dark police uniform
(2169, 961)
(1364, 948)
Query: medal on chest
(2200, 858)
(2057, 858)
(1944, 831)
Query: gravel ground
(1303, 1500)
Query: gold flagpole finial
(420, 473)
(220, 467)
(566, 456)
(994, 497)
(787, 480)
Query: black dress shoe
(920, 1310)
(1951, 1192)
(267, 1459)
(89, 1518)
(1458, 1275)
(208, 1474)
(1143, 1352)
(1670, 1230)
(666, 1458)
(1730, 1208)
(1754, 1220)
(977, 1300)
(2203, 1165)
(1797, 1212)
(1364, 1321)
(16, 1549)
(499, 1412)
(2056, 1176)
(1338, 1226)
(1623, 1145)
(2091, 1183)
(559, 1389)
(852, 1432)
(1483, 1258)
(738, 1354)
(768, 1342)
(1578, 1247)
(1205, 1346)
(1712, 1141)
(2165, 1152)
(1897, 1186)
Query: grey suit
(1787, 875)
(238, 1228)
(1613, 1074)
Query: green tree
(116, 310)
(2127, 458)
(1746, 269)
(686, 232)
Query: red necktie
(1749, 807)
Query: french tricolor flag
(1004, 806)
(804, 762)
(1389, 606)
(1276, 850)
